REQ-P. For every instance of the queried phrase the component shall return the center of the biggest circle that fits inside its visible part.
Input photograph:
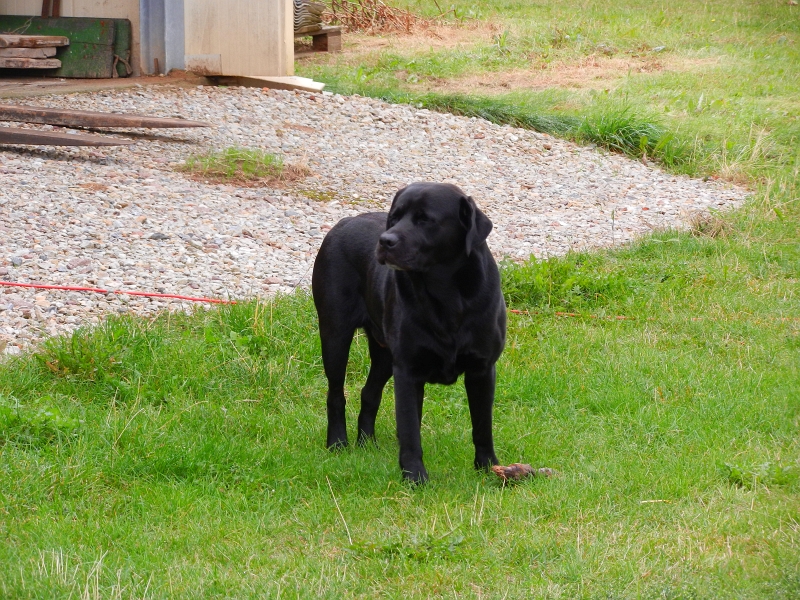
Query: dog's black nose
(389, 240)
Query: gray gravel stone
(97, 217)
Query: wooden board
(32, 137)
(29, 63)
(32, 41)
(91, 50)
(85, 118)
(27, 52)
(327, 39)
(307, 30)
(276, 83)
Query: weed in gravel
(242, 166)
(318, 195)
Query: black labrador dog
(423, 285)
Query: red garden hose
(71, 288)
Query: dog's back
(342, 270)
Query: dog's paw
(416, 476)
(336, 443)
(485, 462)
(337, 436)
(366, 438)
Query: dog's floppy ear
(477, 224)
(397, 194)
(394, 200)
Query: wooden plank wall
(235, 37)
(113, 9)
(242, 37)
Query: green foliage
(497, 111)
(216, 448)
(40, 423)
(716, 95)
(130, 360)
(767, 474)
(622, 131)
(577, 281)
(423, 549)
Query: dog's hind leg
(380, 371)
(334, 285)
(335, 351)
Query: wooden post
(85, 118)
(33, 137)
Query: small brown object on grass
(710, 225)
(517, 471)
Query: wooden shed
(209, 37)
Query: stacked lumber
(98, 48)
(30, 51)
(75, 118)
(86, 118)
(307, 16)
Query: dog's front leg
(408, 395)
(480, 395)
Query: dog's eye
(421, 217)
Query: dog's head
(431, 224)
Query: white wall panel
(251, 37)
(20, 7)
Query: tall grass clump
(500, 112)
(621, 129)
(513, 110)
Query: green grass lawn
(184, 456)
(721, 77)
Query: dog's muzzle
(386, 244)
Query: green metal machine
(98, 48)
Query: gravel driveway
(124, 218)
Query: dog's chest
(444, 365)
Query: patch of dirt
(596, 71)
(436, 37)
(712, 225)
(591, 72)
